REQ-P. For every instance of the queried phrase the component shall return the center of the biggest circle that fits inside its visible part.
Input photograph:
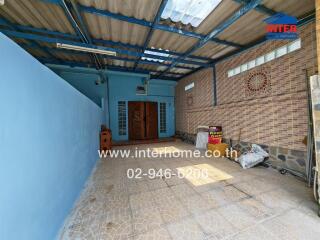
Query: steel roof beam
(126, 45)
(80, 32)
(107, 42)
(192, 72)
(155, 21)
(57, 2)
(36, 37)
(145, 23)
(217, 30)
(113, 68)
(302, 21)
(13, 27)
(260, 8)
(84, 27)
(147, 62)
(40, 30)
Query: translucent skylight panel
(157, 54)
(189, 11)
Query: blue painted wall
(48, 145)
(122, 87)
(85, 83)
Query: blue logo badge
(281, 26)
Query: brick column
(318, 31)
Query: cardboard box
(221, 147)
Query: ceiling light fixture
(85, 49)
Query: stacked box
(215, 135)
(215, 148)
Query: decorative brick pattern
(257, 83)
(277, 117)
(202, 97)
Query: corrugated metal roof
(161, 68)
(141, 9)
(36, 52)
(251, 26)
(115, 30)
(211, 50)
(171, 41)
(37, 14)
(71, 57)
(248, 28)
(295, 8)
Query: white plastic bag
(252, 158)
(259, 150)
(202, 140)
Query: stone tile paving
(231, 203)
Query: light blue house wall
(122, 87)
(49, 136)
(84, 81)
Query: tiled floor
(231, 203)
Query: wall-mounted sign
(281, 26)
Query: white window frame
(189, 86)
(277, 53)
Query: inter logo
(281, 26)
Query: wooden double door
(143, 120)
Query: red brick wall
(275, 117)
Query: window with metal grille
(163, 120)
(122, 118)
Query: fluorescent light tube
(85, 49)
